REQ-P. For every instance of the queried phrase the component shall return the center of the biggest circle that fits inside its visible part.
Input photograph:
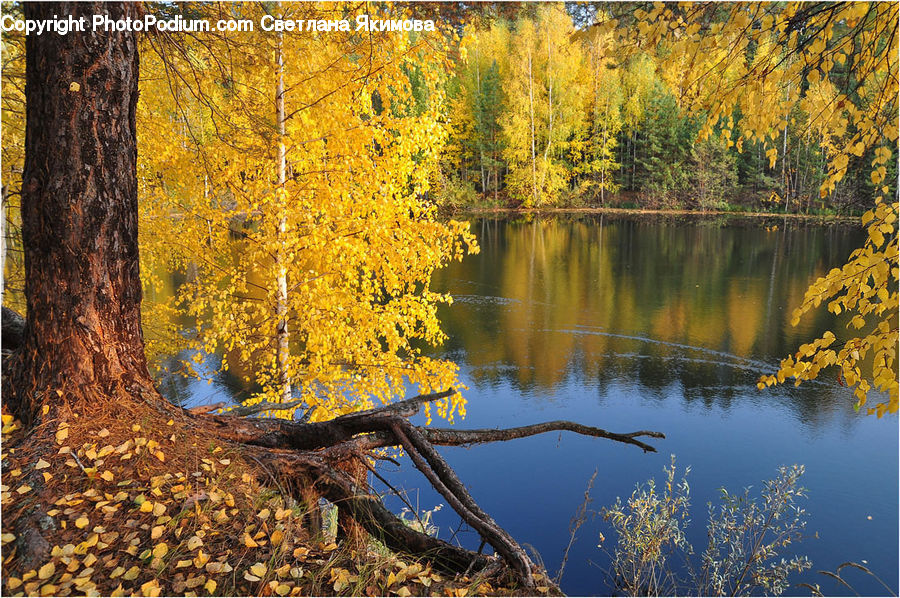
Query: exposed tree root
(349, 436)
(310, 457)
(339, 488)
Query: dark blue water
(655, 323)
(658, 324)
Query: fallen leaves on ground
(122, 521)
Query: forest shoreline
(649, 211)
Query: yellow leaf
(82, 522)
(41, 464)
(46, 571)
(258, 569)
(156, 532)
(132, 573)
(107, 475)
(194, 542)
(277, 537)
(160, 550)
(151, 588)
(249, 542)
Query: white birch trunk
(281, 307)
(534, 193)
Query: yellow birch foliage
(746, 66)
(595, 149)
(545, 104)
(363, 129)
(865, 286)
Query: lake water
(658, 323)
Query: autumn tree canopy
(342, 223)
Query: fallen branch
(311, 451)
(245, 410)
(202, 409)
(376, 424)
(450, 437)
(445, 481)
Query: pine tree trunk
(79, 210)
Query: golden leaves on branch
(840, 78)
(867, 287)
(350, 230)
(841, 75)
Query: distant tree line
(547, 110)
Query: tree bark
(317, 451)
(79, 209)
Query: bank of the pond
(477, 212)
(110, 506)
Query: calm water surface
(656, 323)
